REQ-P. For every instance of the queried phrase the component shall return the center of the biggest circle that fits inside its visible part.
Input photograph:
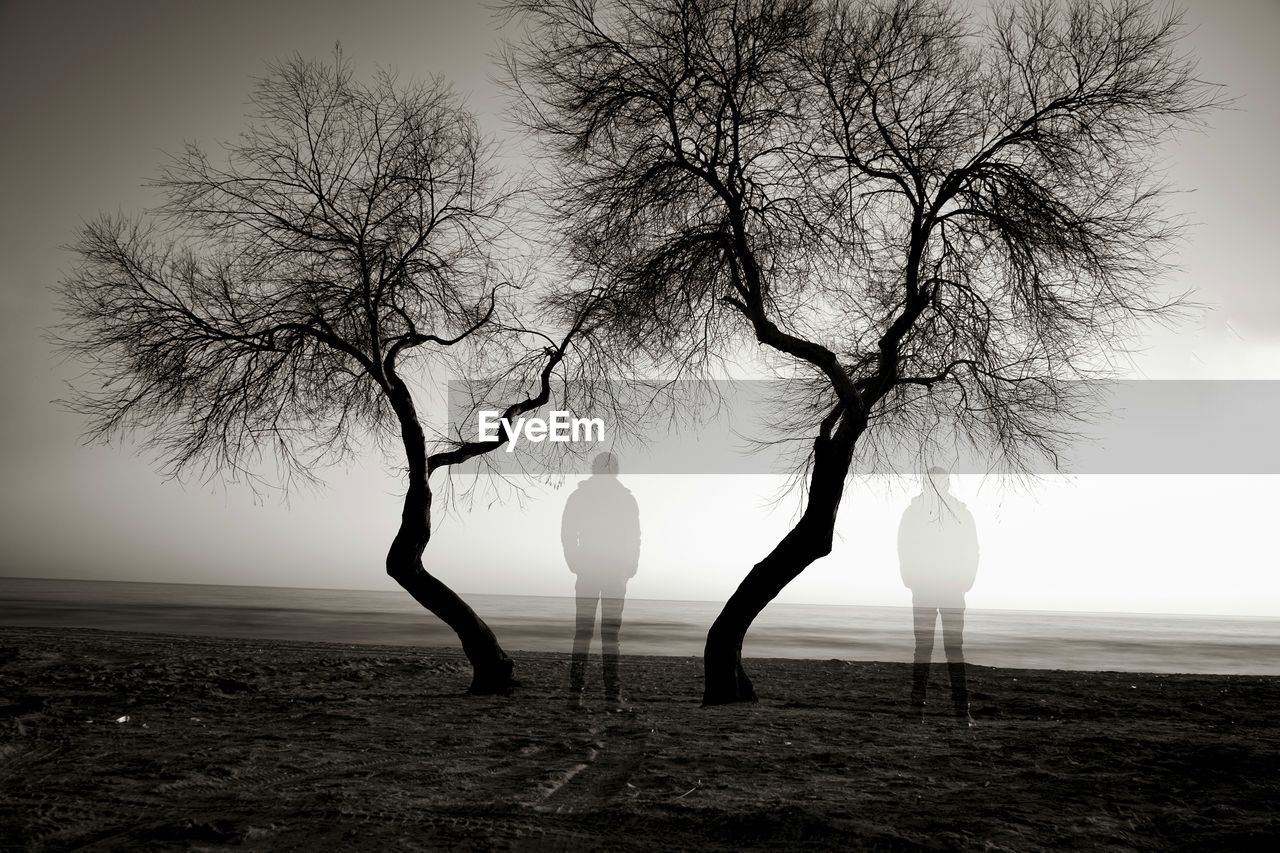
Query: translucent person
(938, 557)
(600, 532)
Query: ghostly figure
(938, 558)
(600, 532)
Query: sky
(92, 95)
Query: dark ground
(267, 745)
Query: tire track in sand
(615, 750)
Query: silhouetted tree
(273, 307)
(939, 216)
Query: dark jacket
(600, 530)
(938, 549)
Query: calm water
(1048, 640)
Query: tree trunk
(492, 669)
(725, 680)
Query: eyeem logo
(561, 426)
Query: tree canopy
(279, 304)
(937, 216)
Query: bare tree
(936, 217)
(278, 304)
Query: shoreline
(1177, 643)
(295, 745)
(470, 594)
(543, 655)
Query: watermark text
(559, 426)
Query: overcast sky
(91, 96)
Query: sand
(115, 741)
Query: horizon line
(637, 598)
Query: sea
(1132, 642)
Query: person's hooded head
(605, 465)
(935, 494)
(937, 481)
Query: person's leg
(953, 633)
(924, 620)
(584, 630)
(611, 604)
(953, 645)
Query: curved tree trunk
(493, 670)
(725, 680)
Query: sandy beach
(118, 741)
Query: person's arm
(970, 561)
(633, 543)
(906, 568)
(569, 532)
